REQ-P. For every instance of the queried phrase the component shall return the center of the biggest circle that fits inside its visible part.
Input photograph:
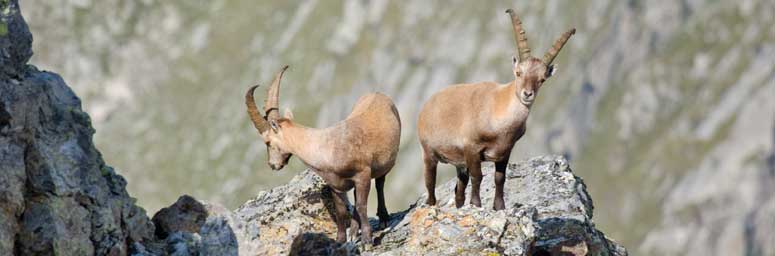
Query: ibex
(348, 154)
(466, 124)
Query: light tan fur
(466, 124)
(347, 155)
(486, 116)
(367, 139)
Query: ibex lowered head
(467, 124)
(346, 155)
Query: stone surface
(15, 39)
(187, 214)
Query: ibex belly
(336, 182)
(496, 153)
(450, 155)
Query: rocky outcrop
(57, 196)
(548, 211)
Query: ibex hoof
(367, 244)
(383, 225)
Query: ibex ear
(550, 70)
(288, 114)
(514, 62)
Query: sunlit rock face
(663, 107)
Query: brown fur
(467, 124)
(346, 155)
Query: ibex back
(348, 154)
(466, 124)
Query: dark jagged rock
(187, 214)
(57, 196)
(15, 40)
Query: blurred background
(665, 108)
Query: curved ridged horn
(549, 57)
(272, 103)
(519, 36)
(258, 121)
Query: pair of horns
(521, 39)
(271, 104)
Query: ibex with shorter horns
(467, 124)
(348, 154)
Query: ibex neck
(308, 144)
(507, 109)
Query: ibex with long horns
(467, 124)
(348, 154)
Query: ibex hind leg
(382, 212)
(430, 177)
(460, 188)
(500, 180)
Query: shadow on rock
(566, 236)
(320, 244)
(191, 227)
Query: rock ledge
(548, 211)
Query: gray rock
(549, 211)
(15, 40)
(57, 196)
(187, 215)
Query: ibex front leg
(342, 216)
(474, 166)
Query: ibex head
(531, 72)
(271, 125)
